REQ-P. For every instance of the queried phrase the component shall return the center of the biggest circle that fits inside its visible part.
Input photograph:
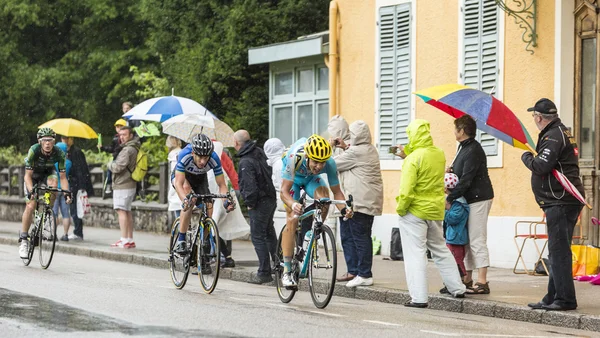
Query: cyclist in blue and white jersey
(193, 162)
(303, 165)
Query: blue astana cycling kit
(295, 168)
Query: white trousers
(417, 236)
(477, 254)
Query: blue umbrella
(160, 109)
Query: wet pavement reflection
(53, 316)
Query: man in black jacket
(79, 179)
(556, 150)
(256, 187)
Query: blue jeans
(262, 233)
(560, 221)
(61, 204)
(356, 239)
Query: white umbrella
(162, 108)
(184, 127)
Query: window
(305, 81)
(394, 83)
(323, 117)
(588, 99)
(305, 120)
(480, 55)
(283, 83)
(299, 105)
(282, 121)
(323, 78)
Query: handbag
(585, 259)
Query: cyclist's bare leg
(186, 216)
(27, 216)
(287, 238)
(322, 192)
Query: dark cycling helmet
(45, 132)
(317, 148)
(202, 145)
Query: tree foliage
(81, 59)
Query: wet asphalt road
(85, 297)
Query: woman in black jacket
(470, 165)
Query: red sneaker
(118, 244)
(130, 245)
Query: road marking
(479, 334)
(382, 323)
(241, 299)
(327, 314)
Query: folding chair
(534, 231)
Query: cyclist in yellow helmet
(303, 165)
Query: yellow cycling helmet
(121, 122)
(317, 148)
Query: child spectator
(455, 225)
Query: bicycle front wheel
(32, 243)
(323, 266)
(286, 294)
(209, 255)
(47, 238)
(179, 265)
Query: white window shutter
(480, 56)
(394, 76)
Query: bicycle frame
(195, 228)
(316, 228)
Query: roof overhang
(317, 44)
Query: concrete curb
(436, 302)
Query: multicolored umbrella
(70, 128)
(160, 109)
(491, 115)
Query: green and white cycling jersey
(37, 161)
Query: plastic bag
(585, 259)
(396, 246)
(376, 246)
(83, 204)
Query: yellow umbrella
(70, 128)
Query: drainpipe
(333, 58)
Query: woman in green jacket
(421, 205)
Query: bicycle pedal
(292, 288)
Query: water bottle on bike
(307, 239)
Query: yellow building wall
(525, 77)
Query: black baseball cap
(544, 106)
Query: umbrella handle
(531, 149)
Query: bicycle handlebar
(321, 202)
(203, 197)
(37, 188)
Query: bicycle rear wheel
(323, 266)
(209, 255)
(285, 294)
(179, 265)
(47, 238)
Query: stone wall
(152, 217)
